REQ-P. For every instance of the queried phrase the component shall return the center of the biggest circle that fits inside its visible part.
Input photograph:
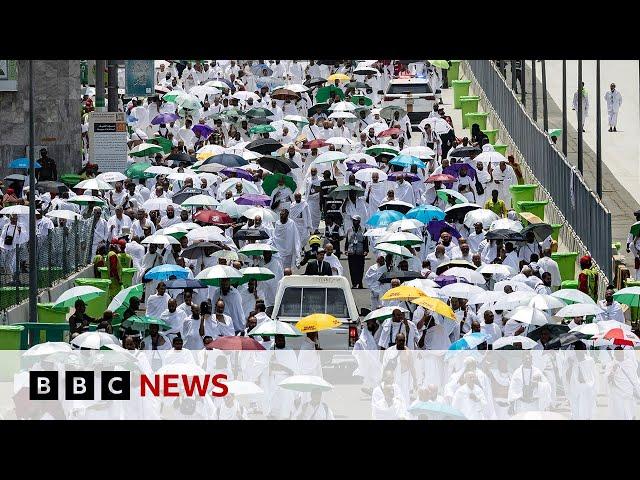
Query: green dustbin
(500, 148)
(97, 306)
(127, 276)
(573, 284)
(492, 135)
(47, 277)
(522, 193)
(10, 337)
(48, 314)
(104, 272)
(535, 207)
(478, 117)
(71, 179)
(634, 311)
(566, 264)
(460, 89)
(454, 70)
(469, 104)
(555, 230)
(8, 296)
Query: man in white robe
(301, 215)
(585, 105)
(158, 302)
(581, 376)
(614, 102)
(623, 385)
(371, 281)
(548, 264)
(612, 308)
(232, 303)
(386, 400)
(312, 197)
(332, 260)
(270, 287)
(286, 240)
(504, 176)
(470, 399)
(529, 389)
(375, 193)
(173, 317)
(404, 191)
(281, 197)
(391, 327)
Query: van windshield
(299, 302)
(402, 88)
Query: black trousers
(356, 269)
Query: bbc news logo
(45, 385)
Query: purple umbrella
(357, 166)
(409, 177)
(455, 170)
(203, 130)
(436, 227)
(239, 172)
(443, 280)
(164, 118)
(253, 199)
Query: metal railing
(60, 253)
(587, 222)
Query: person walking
(357, 248)
(585, 105)
(614, 102)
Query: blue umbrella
(184, 283)
(425, 213)
(226, 159)
(23, 163)
(384, 218)
(470, 341)
(257, 69)
(439, 410)
(407, 161)
(164, 118)
(163, 272)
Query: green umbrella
(270, 182)
(142, 323)
(342, 192)
(635, 229)
(137, 171)
(233, 112)
(378, 149)
(121, 301)
(258, 112)
(172, 96)
(262, 129)
(440, 64)
(388, 112)
(165, 143)
(257, 249)
(443, 193)
(84, 292)
(256, 273)
(555, 132)
(145, 149)
(367, 101)
(629, 296)
(323, 94)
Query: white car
(412, 94)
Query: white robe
(287, 241)
(157, 304)
(473, 409)
(270, 287)
(300, 213)
(404, 192)
(582, 389)
(335, 264)
(232, 306)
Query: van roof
(315, 281)
(400, 81)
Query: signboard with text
(108, 141)
(8, 75)
(139, 77)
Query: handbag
(479, 187)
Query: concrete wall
(57, 114)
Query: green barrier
(573, 284)
(8, 296)
(500, 148)
(460, 89)
(555, 230)
(522, 193)
(97, 306)
(46, 277)
(127, 276)
(537, 208)
(479, 117)
(71, 179)
(454, 70)
(47, 313)
(492, 135)
(566, 264)
(10, 337)
(52, 332)
(469, 104)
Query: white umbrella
(329, 157)
(243, 96)
(496, 268)
(247, 186)
(517, 286)
(47, 348)
(202, 91)
(207, 234)
(423, 153)
(341, 141)
(484, 216)
(182, 176)
(572, 295)
(526, 342)
(86, 199)
(579, 310)
(232, 209)
(218, 272)
(546, 302)
(400, 238)
(279, 124)
(15, 210)
(404, 224)
(383, 313)
(209, 151)
(229, 255)
(122, 296)
(65, 214)
(94, 340)
(365, 174)
(267, 214)
(528, 315)
(490, 157)
(217, 84)
(93, 184)
(296, 118)
(438, 125)
(376, 232)
(275, 327)
(241, 388)
(210, 168)
(422, 283)
(357, 157)
(343, 107)
(159, 170)
(461, 290)
(305, 383)
(297, 88)
(486, 297)
(344, 115)
(200, 201)
(254, 247)
(513, 300)
(186, 225)
(394, 249)
(172, 230)
(160, 240)
(111, 177)
(466, 273)
(506, 224)
(157, 204)
(83, 292)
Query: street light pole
(580, 113)
(598, 134)
(100, 85)
(33, 268)
(534, 90)
(523, 83)
(564, 107)
(545, 112)
(112, 91)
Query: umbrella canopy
(629, 296)
(484, 216)
(440, 177)
(506, 224)
(407, 161)
(159, 170)
(264, 146)
(438, 125)
(514, 343)
(66, 214)
(579, 310)
(164, 272)
(470, 341)
(513, 300)
(401, 238)
(517, 286)
(380, 149)
(388, 112)
(396, 205)
(164, 118)
(183, 283)
(270, 182)
(305, 383)
(143, 322)
(145, 149)
(196, 251)
(285, 94)
(341, 77)
(528, 315)
(490, 157)
(497, 269)
(436, 227)
(214, 217)
(86, 199)
(271, 328)
(22, 163)
(94, 340)
(15, 210)
(138, 170)
(342, 192)
(355, 99)
(203, 130)
(383, 313)
(436, 411)
(425, 213)
(546, 302)
(227, 159)
(326, 157)
(635, 229)
(342, 107)
(163, 240)
(454, 170)
(444, 194)
(200, 201)
(443, 64)
(315, 81)
(324, 93)
(93, 184)
(435, 305)
(364, 175)
(501, 234)
(317, 322)
(253, 199)
(486, 297)
(213, 276)
(262, 129)
(422, 152)
(461, 290)
(85, 292)
(266, 214)
(236, 343)
(541, 231)
(409, 177)
(251, 234)
(257, 249)
(47, 348)
(51, 186)
(318, 108)
(405, 225)
(460, 210)
(469, 275)
(256, 273)
(619, 336)
(570, 296)
(394, 249)
(463, 152)
(403, 293)
(403, 276)
(277, 164)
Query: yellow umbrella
(317, 322)
(403, 292)
(435, 305)
(338, 76)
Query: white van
(412, 94)
(302, 295)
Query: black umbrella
(402, 276)
(276, 164)
(357, 84)
(259, 121)
(540, 230)
(555, 329)
(460, 210)
(187, 192)
(342, 192)
(318, 108)
(443, 267)
(226, 159)
(16, 177)
(251, 234)
(51, 186)
(184, 283)
(195, 251)
(313, 82)
(464, 151)
(264, 146)
(563, 340)
(504, 234)
(396, 205)
(182, 157)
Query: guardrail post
(534, 91)
(580, 118)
